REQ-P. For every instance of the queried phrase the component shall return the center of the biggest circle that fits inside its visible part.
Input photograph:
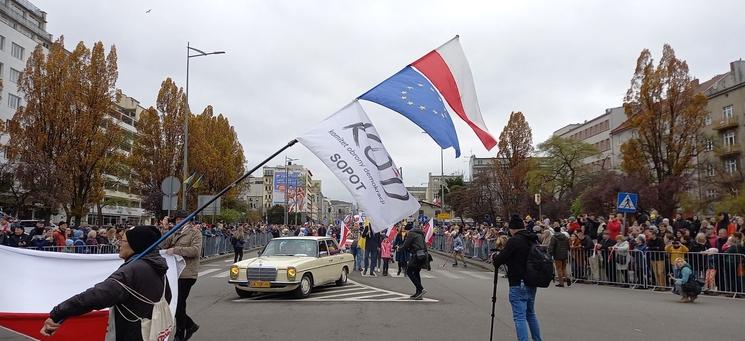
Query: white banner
(349, 145)
(36, 281)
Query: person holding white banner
(130, 292)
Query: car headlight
(291, 273)
(234, 272)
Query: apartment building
(597, 132)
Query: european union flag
(412, 95)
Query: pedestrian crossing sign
(627, 202)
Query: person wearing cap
(522, 297)
(146, 276)
(415, 245)
(59, 234)
(187, 243)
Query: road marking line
(476, 274)
(222, 275)
(364, 293)
(447, 274)
(204, 272)
(337, 291)
(425, 275)
(228, 261)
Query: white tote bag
(158, 328)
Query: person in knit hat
(146, 276)
(522, 297)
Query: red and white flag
(35, 281)
(429, 231)
(447, 68)
(343, 233)
(392, 232)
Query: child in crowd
(385, 254)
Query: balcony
(727, 123)
(730, 150)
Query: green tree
(563, 167)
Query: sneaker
(364, 272)
(421, 294)
(569, 282)
(414, 295)
(372, 274)
(455, 264)
(190, 331)
(560, 285)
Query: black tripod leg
(493, 303)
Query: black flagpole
(201, 208)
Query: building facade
(303, 196)
(22, 29)
(340, 209)
(420, 193)
(597, 132)
(720, 167)
(434, 187)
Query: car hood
(274, 261)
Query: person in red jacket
(614, 226)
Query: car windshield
(291, 247)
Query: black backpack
(540, 268)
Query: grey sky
(289, 64)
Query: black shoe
(560, 285)
(364, 273)
(465, 265)
(190, 331)
(569, 282)
(455, 264)
(372, 274)
(421, 294)
(415, 295)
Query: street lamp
(287, 204)
(189, 56)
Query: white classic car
(294, 264)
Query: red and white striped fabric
(35, 281)
(429, 228)
(448, 70)
(343, 233)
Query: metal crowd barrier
(220, 245)
(478, 249)
(722, 273)
(84, 249)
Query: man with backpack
(528, 267)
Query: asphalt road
(458, 308)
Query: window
(708, 120)
(730, 165)
(729, 138)
(17, 51)
(708, 145)
(2, 43)
(727, 112)
(711, 193)
(709, 170)
(14, 101)
(322, 248)
(15, 75)
(333, 248)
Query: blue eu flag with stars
(412, 95)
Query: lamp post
(287, 204)
(189, 56)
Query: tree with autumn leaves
(214, 150)
(667, 112)
(62, 140)
(514, 151)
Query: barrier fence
(211, 245)
(721, 273)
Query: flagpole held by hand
(201, 208)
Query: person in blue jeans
(522, 297)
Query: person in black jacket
(522, 297)
(372, 250)
(145, 276)
(414, 244)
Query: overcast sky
(289, 64)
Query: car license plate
(259, 284)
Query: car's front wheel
(343, 278)
(306, 286)
(243, 293)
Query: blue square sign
(627, 202)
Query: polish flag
(429, 231)
(343, 232)
(35, 281)
(448, 70)
(392, 233)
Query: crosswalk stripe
(228, 261)
(447, 274)
(426, 275)
(336, 296)
(208, 271)
(222, 275)
(478, 275)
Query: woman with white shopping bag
(136, 294)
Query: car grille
(261, 274)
